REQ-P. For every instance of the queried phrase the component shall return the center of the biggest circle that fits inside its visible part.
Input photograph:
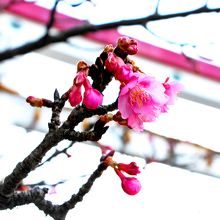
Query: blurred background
(179, 154)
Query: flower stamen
(138, 96)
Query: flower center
(138, 95)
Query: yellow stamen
(138, 95)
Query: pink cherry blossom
(141, 100)
(92, 97)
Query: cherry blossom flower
(141, 100)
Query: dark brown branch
(80, 113)
(86, 28)
(24, 198)
(52, 139)
(29, 163)
(85, 136)
(52, 18)
(65, 207)
(59, 212)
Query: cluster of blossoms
(142, 97)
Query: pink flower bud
(128, 45)
(36, 102)
(80, 78)
(124, 73)
(82, 65)
(130, 168)
(75, 96)
(113, 62)
(131, 185)
(92, 98)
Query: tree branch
(24, 198)
(80, 113)
(52, 18)
(30, 162)
(86, 28)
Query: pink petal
(92, 98)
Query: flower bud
(92, 97)
(128, 45)
(36, 102)
(130, 168)
(131, 185)
(75, 96)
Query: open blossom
(141, 100)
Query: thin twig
(51, 18)
(86, 28)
